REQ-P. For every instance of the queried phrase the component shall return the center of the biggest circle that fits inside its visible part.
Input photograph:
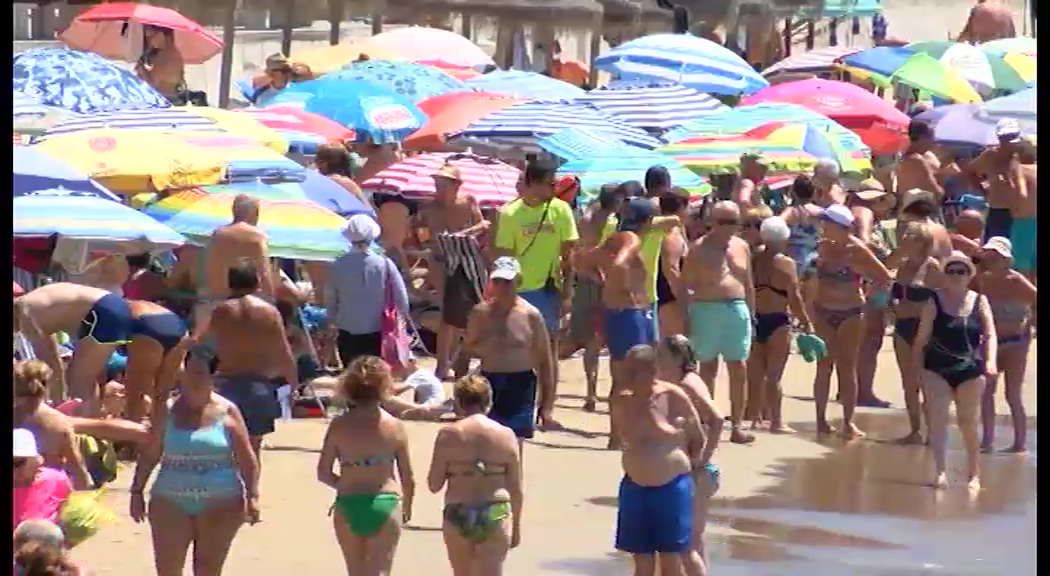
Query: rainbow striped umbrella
(786, 147)
(297, 229)
(101, 221)
(739, 120)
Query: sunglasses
(501, 281)
(753, 224)
(19, 462)
(957, 271)
(727, 222)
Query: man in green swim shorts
(717, 273)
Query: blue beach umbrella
(652, 106)
(689, 60)
(81, 82)
(523, 84)
(413, 81)
(38, 173)
(169, 119)
(523, 124)
(91, 219)
(371, 110)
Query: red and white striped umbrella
(488, 180)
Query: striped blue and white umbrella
(521, 125)
(31, 116)
(96, 220)
(36, 173)
(525, 85)
(655, 107)
(167, 119)
(686, 59)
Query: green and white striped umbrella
(985, 71)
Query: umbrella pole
(378, 7)
(466, 26)
(335, 18)
(286, 28)
(229, 36)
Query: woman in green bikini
(374, 485)
(479, 461)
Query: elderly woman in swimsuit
(55, 436)
(914, 262)
(1012, 298)
(843, 263)
(375, 485)
(155, 355)
(478, 460)
(957, 348)
(675, 363)
(208, 482)
(778, 296)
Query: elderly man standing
(455, 221)
(229, 245)
(717, 272)
(540, 231)
(356, 292)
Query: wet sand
(789, 505)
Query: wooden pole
(229, 36)
(286, 28)
(378, 7)
(335, 18)
(466, 26)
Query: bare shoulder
(481, 309)
(530, 311)
(783, 263)
(740, 245)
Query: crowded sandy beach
(403, 306)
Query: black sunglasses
(957, 271)
(19, 462)
(755, 224)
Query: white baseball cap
(1002, 245)
(838, 214)
(1008, 130)
(505, 268)
(24, 444)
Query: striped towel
(465, 252)
(23, 349)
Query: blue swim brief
(549, 305)
(514, 401)
(628, 327)
(653, 519)
(1024, 235)
(721, 328)
(108, 321)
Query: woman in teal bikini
(208, 482)
(374, 485)
(478, 460)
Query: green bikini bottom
(477, 522)
(366, 513)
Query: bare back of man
(918, 170)
(96, 319)
(253, 357)
(229, 245)
(989, 20)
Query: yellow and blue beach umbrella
(93, 219)
(296, 229)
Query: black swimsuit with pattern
(954, 349)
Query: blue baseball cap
(637, 212)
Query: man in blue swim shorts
(717, 272)
(662, 444)
(628, 313)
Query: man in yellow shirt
(540, 231)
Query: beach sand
(571, 484)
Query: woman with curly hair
(375, 485)
(53, 432)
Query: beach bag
(395, 343)
(83, 515)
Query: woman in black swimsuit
(670, 292)
(843, 264)
(955, 323)
(1012, 298)
(155, 354)
(777, 290)
(913, 261)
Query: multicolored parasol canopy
(296, 229)
(93, 219)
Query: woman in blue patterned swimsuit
(207, 485)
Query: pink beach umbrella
(488, 180)
(426, 44)
(116, 31)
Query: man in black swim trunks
(253, 353)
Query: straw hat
(870, 189)
(915, 195)
(449, 172)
